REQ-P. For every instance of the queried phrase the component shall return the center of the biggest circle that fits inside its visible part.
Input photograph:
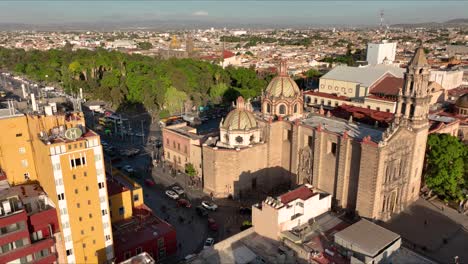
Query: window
(388, 110)
(104, 212)
(239, 139)
(128, 255)
(24, 163)
(22, 150)
(80, 218)
(19, 135)
(87, 188)
(108, 237)
(160, 242)
(69, 252)
(178, 146)
(63, 211)
(89, 202)
(94, 241)
(268, 108)
(76, 191)
(78, 205)
(101, 185)
(167, 142)
(121, 210)
(61, 196)
(185, 149)
(282, 109)
(26, 176)
(368, 107)
(75, 146)
(81, 145)
(136, 197)
(310, 141)
(378, 108)
(74, 176)
(139, 250)
(295, 108)
(333, 148)
(173, 144)
(85, 174)
(315, 101)
(69, 147)
(329, 102)
(82, 232)
(90, 215)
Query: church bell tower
(414, 98)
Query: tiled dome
(239, 118)
(282, 85)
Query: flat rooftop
(185, 131)
(7, 113)
(143, 226)
(367, 237)
(339, 126)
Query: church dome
(282, 85)
(462, 101)
(240, 118)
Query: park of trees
(124, 80)
(446, 167)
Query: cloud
(200, 13)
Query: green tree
(190, 170)
(313, 73)
(145, 45)
(174, 100)
(445, 173)
(217, 92)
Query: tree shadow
(427, 230)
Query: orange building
(67, 159)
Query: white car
(209, 205)
(172, 195)
(128, 169)
(178, 190)
(208, 242)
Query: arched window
(239, 139)
(282, 109)
(252, 138)
(268, 108)
(295, 108)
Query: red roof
(388, 85)
(228, 54)
(365, 115)
(302, 193)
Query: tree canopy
(445, 172)
(121, 78)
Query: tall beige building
(372, 170)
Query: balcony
(28, 250)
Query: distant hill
(458, 22)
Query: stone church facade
(373, 171)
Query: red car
(212, 224)
(183, 203)
(149, 182)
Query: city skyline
(228, 13)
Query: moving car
(183, 203)
(128, 169)
(212, 225)
(172, 195)
(209, 242)
(149, 182)
(201, 211)
(178, 190)
(209, 205)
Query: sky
(285, 12)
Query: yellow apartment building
(67, 159)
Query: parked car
(128, 169)
(184, 203)
(149, 182)
(245, 210)
(212, 225)
(172, 195)
(179, 190)
(209, 242)
(201, 211)
(209, 205)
